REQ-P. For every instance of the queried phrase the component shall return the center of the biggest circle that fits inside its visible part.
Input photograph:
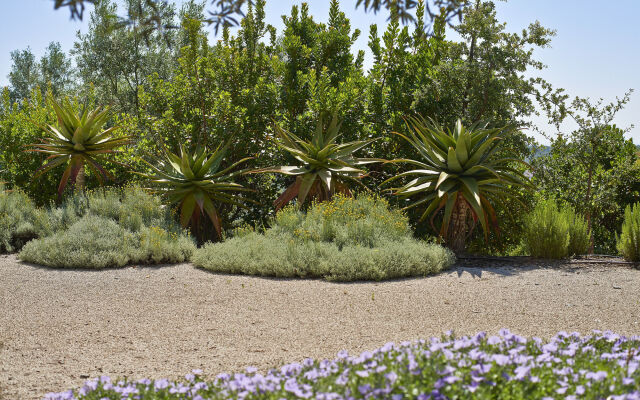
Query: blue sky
(596, 52)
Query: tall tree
(228, 13)
(117, 58)
(56, 69)
(24, 75)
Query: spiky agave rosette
(325, 166)
(196, 182)
(459, 171)
(78, 140)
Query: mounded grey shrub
(283, 256)
(342, 240)
(18, 220)
(107, 228)
(99, 242)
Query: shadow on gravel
(510, 266)
(79, 269)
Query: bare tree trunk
(458, 229)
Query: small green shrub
(18, 220)
(578, 232)
(345, 239)
(553, 231)
(629, 239)
(99, 242)
(547, 231)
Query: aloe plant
(458, 171)
(76, 141)
(325, 166)
(197, 183)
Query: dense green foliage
(553, 231)
(629, 239)
(594, 168)
(344, 239)
(109, 228)
(173, 87)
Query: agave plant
(78, 140)
(458, 171)
(325, 167)
(197, 184)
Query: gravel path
(59, 327)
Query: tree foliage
(171, 86)
(594, 168)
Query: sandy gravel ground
(59, 327)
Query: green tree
(594, 168)
(56, 69)
(117, 58)
(24, 75)
(228, 13)
(228, 89)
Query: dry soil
(60, 327)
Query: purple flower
(343, 354)
(362, 374)
(451, 379)
(500, 359)
(251, 370)
(161, 384)
(596, 376)
(521, 372)
(493, 340)
(364, 389)
(391, 377)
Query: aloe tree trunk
(458, 228)
(80, 180)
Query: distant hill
(542, 151)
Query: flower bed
(602, 365)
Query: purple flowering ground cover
(603, 365)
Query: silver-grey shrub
(108, 228)
(342, 240)
(99, 242)
(18, 220)
(279, 255)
